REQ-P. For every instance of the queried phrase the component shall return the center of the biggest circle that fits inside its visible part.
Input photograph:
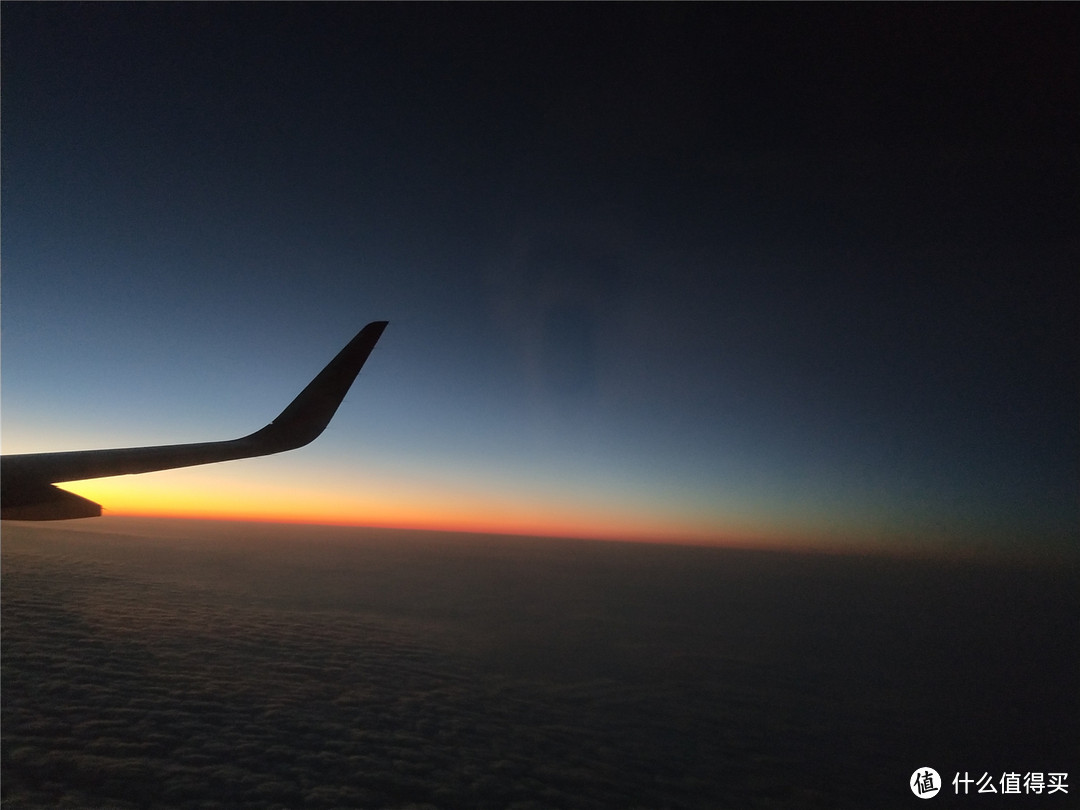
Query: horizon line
(959, 553)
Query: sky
(706, 273)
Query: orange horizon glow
(162, 496)
(585, 530)
(434, 505)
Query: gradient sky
(711, 273)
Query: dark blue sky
(682, 270)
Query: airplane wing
(26, 480)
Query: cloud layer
(395, 670)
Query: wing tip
(306, 417)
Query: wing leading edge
(26, 481)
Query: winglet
(308, 415)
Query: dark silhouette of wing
(26, 491)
